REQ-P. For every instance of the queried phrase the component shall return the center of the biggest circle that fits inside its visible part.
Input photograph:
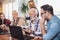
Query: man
(15, 18)
(53, 25)
(34, 27)
(34, 20)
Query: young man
(53, 25)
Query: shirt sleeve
(54, 29)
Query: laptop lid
(16, 32)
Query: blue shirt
(53, 29)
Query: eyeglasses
(43, 13)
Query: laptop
(16, 32)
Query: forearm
(42, 25)
(43, 29)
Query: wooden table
(5, 37)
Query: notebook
(16, 32)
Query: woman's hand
(4, 27)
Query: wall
(54, 3)
(0, 7)
(8, 7)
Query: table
(5, 34)
(5, 37)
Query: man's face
(32, 14)
(44, 14)
(15, 14)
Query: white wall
(8, 7)
(54, 3)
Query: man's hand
(42, 25)
(42, 21)
(38, 38)
(27, 31)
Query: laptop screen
(16, 32)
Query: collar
(52, 19)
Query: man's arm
(42, 26)
(51, 33)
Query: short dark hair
(47, 8)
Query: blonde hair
(21, 21)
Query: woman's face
(21, 22)
(31, 4)
(2, 16)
